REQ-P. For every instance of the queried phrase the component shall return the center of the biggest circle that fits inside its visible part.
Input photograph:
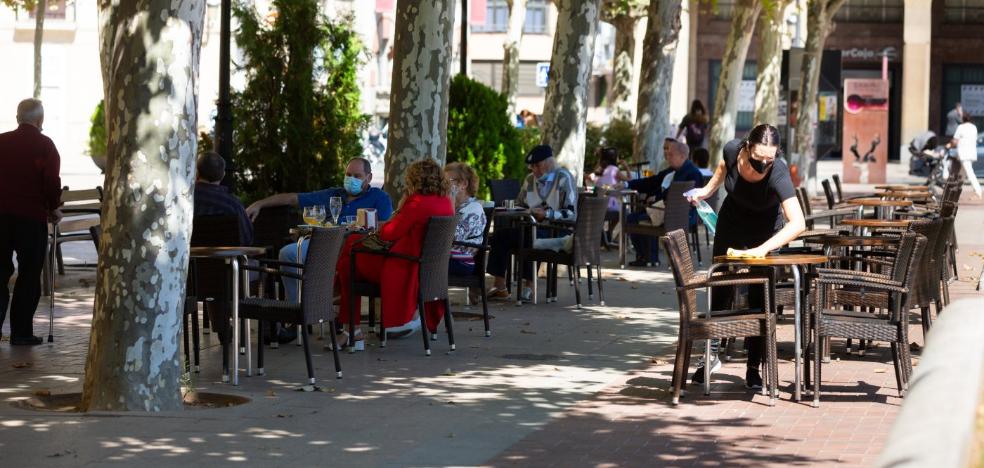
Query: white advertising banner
(746, 96)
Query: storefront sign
(865, 134)
(746, 96)
(869, 55)
(972, 99)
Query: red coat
(397, 277)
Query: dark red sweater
(29, 168)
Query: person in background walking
(953, 120)
(30, 194)
(693, 127)
(965, 140)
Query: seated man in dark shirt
(213, 199)
(654, 188)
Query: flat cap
(539, 153)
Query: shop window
(870, 11)
(497, 17)
(963, 84)
(963, 11)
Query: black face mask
(759, 166)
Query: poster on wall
(865, 134)
(972, 99)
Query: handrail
(937, 422)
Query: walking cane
(51, 281)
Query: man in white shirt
(965, 140)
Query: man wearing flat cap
(550, 193)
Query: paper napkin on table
(734, 254)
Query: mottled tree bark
(565, 109)
(150, 53)
(510, 54)
(820, 15)
(42, 8)
(658, 55)
(732, 65)
(419, 92)
(621, 102)
(769, 73)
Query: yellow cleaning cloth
(734, 254)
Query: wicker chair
(209, 279)
(734, 323)
(929, 271)
(832, 216)
(432, 277)
(837, 186)
(477, 279)
(886, 292)
(317, 293)
(586, 251)
(677, 217)
(504, 189)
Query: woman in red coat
(426, 196)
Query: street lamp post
(223, 119)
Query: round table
(906, 194)
(921, 188)
(883, 208)
(877, 223)
(233, 256)
(851, 241)
(796, 261)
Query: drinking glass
(336, 208)
(319, 214)
(308, 216)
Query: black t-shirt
(756, 201)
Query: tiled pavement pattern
(553, 386)
(632, 423)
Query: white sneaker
(404, 330)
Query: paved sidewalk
(554, 386)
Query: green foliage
(481, 134)
(297, 121)
(619, 134)
(26, 5)
(97, 132)
(529, 137)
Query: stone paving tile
(632, 423)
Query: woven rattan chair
(209, 280)
(837, 187)
(432, 275)
(503, 189)
(677, 217)
(317, 293)
(733, 323)
(886, 293)
(927, 277)
(477, 279)
(585, 252)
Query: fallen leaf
(22, 365)
(271, 393)
(527, 332)
(879, 371)
(658, 362)
(621, 279)
(450, 402)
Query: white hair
(30, 111)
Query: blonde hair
(425, 177)
(465, 173)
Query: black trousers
(27, 238)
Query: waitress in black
(760, 214)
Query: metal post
(223, 118)
(464, 38)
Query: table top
(877, 222)
(851, 241)
(777, 260)
(913, 194)
(921, 188)
(879, 202)
(226, 252)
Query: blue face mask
(352, 185)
